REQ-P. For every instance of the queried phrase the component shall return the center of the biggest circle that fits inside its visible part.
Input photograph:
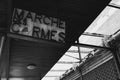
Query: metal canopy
(78, 15)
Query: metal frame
(64, 62)
(72, 57)
(80, 71)
(114, 49)
(57, 70)
(93, 34)
(90, 46)
(76, 51)
(51, 76)
(114, 6)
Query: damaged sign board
(37, 26)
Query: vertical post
(8, 40)
(79, 52)
(1, 43)
(80, 60)
(4, 65)
(8, 58)
(5, 41)
(1, 49)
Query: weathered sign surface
(37, 26)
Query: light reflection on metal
(64, 62)
(76, 51)
(1, 43)
(93, 34)
(57, 70)
(72, 57)
(51, 76)
(31, 66)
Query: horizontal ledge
(28, 38)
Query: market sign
(37, 26)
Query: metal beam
(64, 62)
(76, 51)
(80, 60)
(52, 76)
(57, 70)
(79, 52)
(90, 46)
(114, 6)
(93, 34)
(72, 57)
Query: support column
(5, 59)
(80, 58)
(1, 53)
